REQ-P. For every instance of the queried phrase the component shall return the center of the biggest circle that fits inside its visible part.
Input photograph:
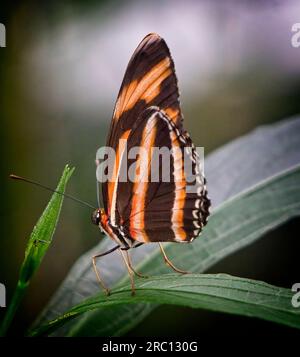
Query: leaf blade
(217, 292)
(37, 246)
(42, 234)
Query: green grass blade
(234, 224)
(219, 292)
(38, 244)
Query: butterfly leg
(132, 268)
(168, 261)
(107, 291)
(130, 272)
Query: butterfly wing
(149, 80)
(157, 206)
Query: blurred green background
(59, 76)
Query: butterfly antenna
(15, 177)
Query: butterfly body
(117, 233)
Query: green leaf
(37, 246)
(234, 224)
(219, 292)
(236, 167)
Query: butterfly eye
(96, 217)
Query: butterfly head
(96, 216)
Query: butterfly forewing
(150, 80)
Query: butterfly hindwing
(157, 206)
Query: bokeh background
(59, 77)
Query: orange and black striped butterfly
(147, 114)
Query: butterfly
(147, 114)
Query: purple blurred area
(76, 66)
